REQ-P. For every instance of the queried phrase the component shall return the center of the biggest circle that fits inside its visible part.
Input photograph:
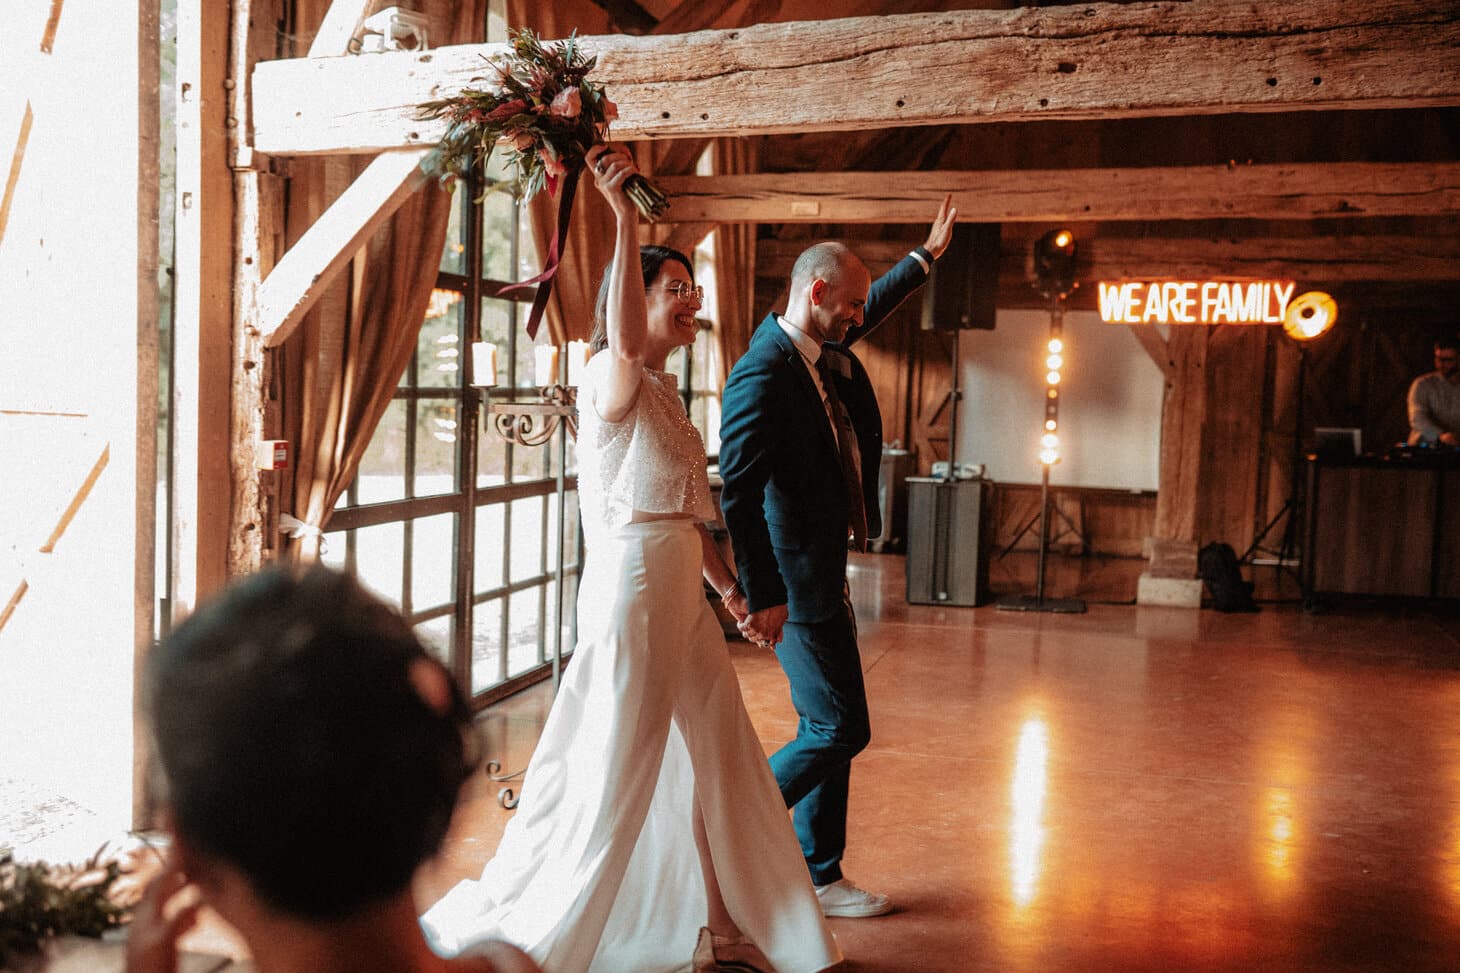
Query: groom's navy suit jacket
(785, 499)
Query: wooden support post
(202, 339)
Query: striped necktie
(851, 460)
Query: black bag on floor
(1218, 566)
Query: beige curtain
(734, 260)
(337, 374)
(589, 247)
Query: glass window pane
(526, 252)
(379, 559)
(498, 317)
(487, 660)
(436, 636)
(438, 346)
(436, 433)
(570, 529)
(533, 462)
(489, 547)
(499, 172)
(382, 473)
(498, 324)
(433, 562)
(575, 524)
(491, 454)
(334, 549)
(525, 631)
(528, 529)
(499, 212)
(453, 253)
(527, 358)
(707, 420)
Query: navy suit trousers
(824, 668)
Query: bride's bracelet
(731, 592)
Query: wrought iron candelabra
(534, 422)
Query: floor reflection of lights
(1450, 861)
(1026, 827)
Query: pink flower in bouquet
(553, 169)
(506, 110)
(610, 110)
(567, 104)
(519, 141)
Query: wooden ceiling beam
(1311, 261)
(1272, 192)
(1089, 61)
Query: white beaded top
(651, 461)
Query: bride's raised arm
(627, 310)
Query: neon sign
(1195, 302)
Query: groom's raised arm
(910, 273)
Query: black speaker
(963, 290)
(949, 523)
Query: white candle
(546, 360)
(483, 363)
(578, 355)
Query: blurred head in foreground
(309, 752)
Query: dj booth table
(1383, 525)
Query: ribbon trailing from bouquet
(559, 242)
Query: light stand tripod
(1285, 553)
(1039, 603)
(950, 402)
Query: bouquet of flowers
(539, 108)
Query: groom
(800, 450)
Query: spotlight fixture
(1054, 271)
(1310, 315)
(1054, 264)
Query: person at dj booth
(1434, 398)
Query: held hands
(764, 627)
(737, 605)
(942, 231)
(611, 167)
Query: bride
(650, 834)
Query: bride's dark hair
(651, 259)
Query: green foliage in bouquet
(540, 109)
(38, 901)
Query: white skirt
(597, 870)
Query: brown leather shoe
(716, 954)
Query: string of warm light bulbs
(1049, 443)
(1054, 268)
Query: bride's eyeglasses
(687, 292)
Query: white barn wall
(1110, 406)
(77, 394)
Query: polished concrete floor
(1128, 788)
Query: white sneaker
(842, 898)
